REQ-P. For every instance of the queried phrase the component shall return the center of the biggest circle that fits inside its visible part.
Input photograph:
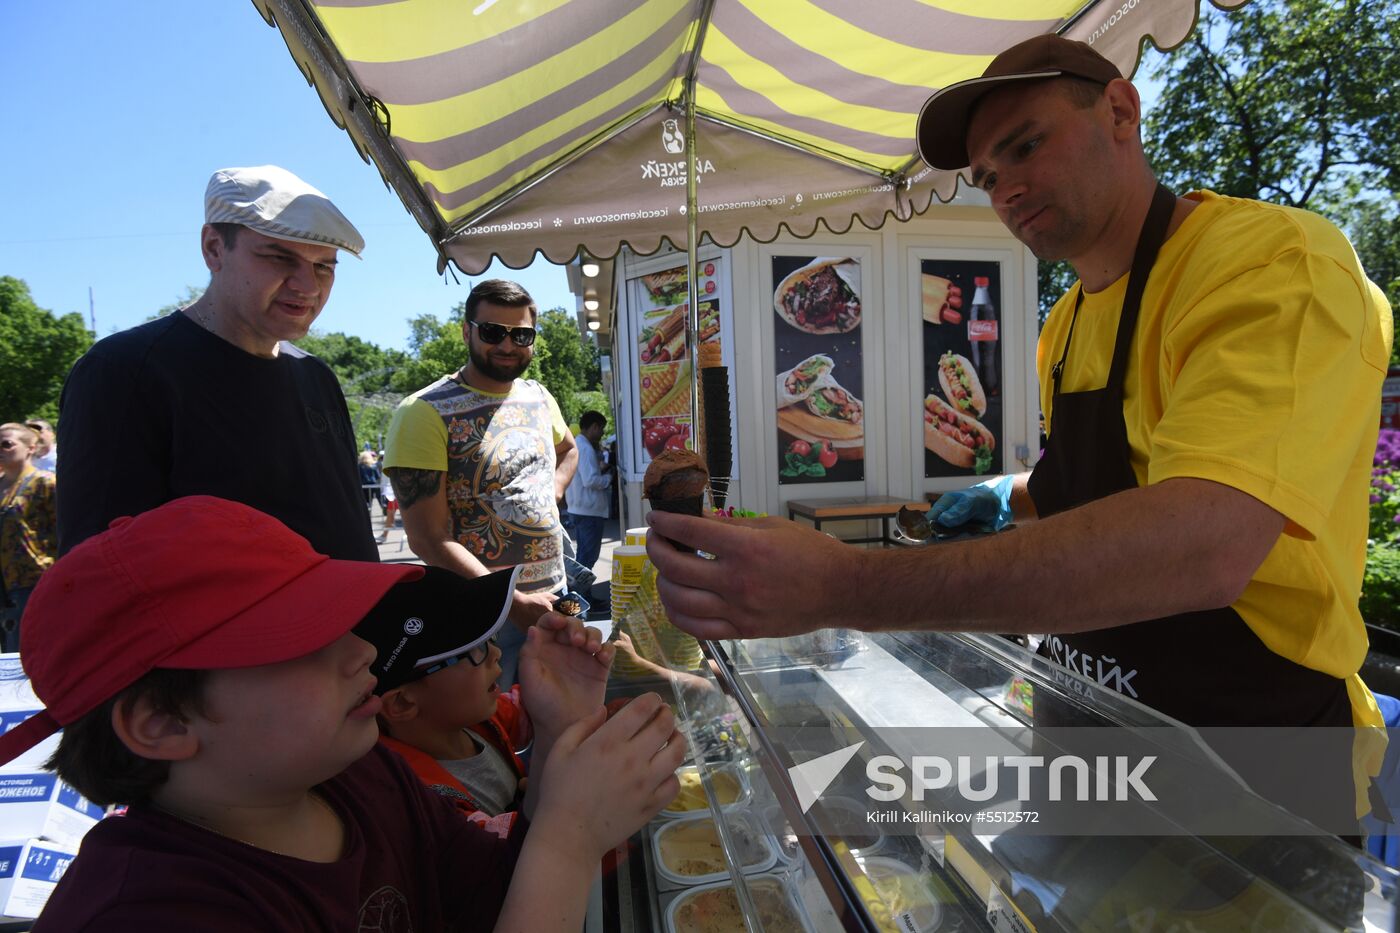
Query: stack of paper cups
(635, 536)
(628, 561)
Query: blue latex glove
(987, 505)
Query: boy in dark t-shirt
(235, 714)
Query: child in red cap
(201, 661)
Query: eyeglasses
(474, 656)
(495, 333)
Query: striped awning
(510, 126)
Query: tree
(1291, 101)
(1053, 279)
(569, 362)
(362, 367)
(37, 348)
(192, 294)
(366, 374)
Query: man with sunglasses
(480, 460)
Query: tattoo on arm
(411, 485)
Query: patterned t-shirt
(498, 453)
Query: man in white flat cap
(213, 399)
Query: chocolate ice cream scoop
(675, 482)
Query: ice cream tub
(845, 819)
(714, 908)
(635, 536)
(784, 838)
(688, 851)
(731, 786)
(902, 901)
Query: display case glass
(776, 827)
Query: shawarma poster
(820, 379)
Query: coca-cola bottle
(982, 332)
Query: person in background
(588, 490)
(1196, 530)
(46, 453)
(214, 399)
(369, 477)
(235, 717)
(28, 526)
(389, 503)
(481, 458)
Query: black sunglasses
(474, 656)
(495, 333)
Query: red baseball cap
(197, 583)
(942, 127)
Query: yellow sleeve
(556, 418)
(1271, 381)
(417, 437)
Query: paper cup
(635, 537)
(628, 563)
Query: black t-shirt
(412, 863)
(167, 409)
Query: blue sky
(116, 113)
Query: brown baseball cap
(942, 128)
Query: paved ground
(396, 551)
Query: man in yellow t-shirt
(1195, 534)
(480, 459)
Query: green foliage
(192, 294)
(1380, 589)
(366, 373)
(435, 348)
(568, 362)
(37, 348)
(1291, 101)
(362, 367)
(1053, 279)
(1281, 99)
(594, 400)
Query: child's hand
(625, 646)
(563, 672)
(605, 779)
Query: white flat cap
(276, 203)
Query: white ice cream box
(15, 689)
(29, 870)
(38, 804)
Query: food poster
(663, 371)
(963, 367)
(817, 349)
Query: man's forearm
(440, 552)
(1022, 506)
(427, 520)
(1177, 546)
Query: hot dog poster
(817, 349)
(962, 373)
(663, 371)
